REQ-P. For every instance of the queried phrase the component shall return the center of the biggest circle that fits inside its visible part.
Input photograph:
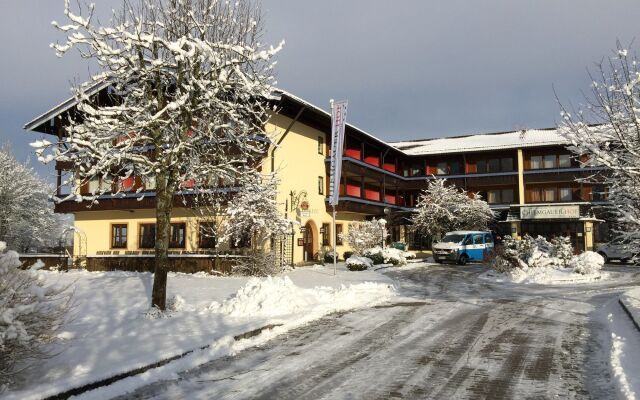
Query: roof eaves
(64, 106)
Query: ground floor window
(338, 235)
(207, 235)
(119, 236)
(147, 236)
(326, 237)
(178, 235)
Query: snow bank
(279, 296)
(543, 276)
(631, 302)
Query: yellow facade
(299, 166)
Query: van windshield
(453, 238)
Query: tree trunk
(164, 206)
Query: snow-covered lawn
(110, 333)
(544, 276)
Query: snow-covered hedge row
(541, 253)
(30, 314)
(378, 255)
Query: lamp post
(387, 213)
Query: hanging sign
(338, 121)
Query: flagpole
(333, 227)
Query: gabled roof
(481, 142)
(64, 106)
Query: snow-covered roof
(481, 142)
(64, 106)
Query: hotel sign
(549, 212)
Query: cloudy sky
(409, 68)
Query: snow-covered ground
(109, 332)
(544, 276)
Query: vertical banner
(338, 121)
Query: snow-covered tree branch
(189, 84)
(442, 208)
(607, 134)
(27, 221)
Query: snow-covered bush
(587, 263)
(30, 315)
(374, 254)
(328, 256)
(394, 256)
(562, 249)
(388, 255)
(357, 263)
(409, 255)
(532, 253)
(364, 235)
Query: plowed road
(461, 338)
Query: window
(326, 229)
(320, 145)
(207, 235)
(493, 197)
(147, 239)
(534, 195)
(441, 168)
(455, 167)
(338, 233)
(105, 184)
(506, 164)
(506, 196)
(119, 236)
(481, 166)
(416, 170)
(536, 162)
(478, 239)
(488, 238)
(549, 194)
(549, 161)
(494, 165)
(177, 236)
(320, 185)
(565, 194)
(94, 185)
(564, 161)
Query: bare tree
(189, 85)
(606, 133)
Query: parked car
(463, 246)
(614, 251)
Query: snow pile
(279, 296)
(357, 263)
(631, 302)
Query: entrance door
(308, 242)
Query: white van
(463, 246)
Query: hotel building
(528, 177)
